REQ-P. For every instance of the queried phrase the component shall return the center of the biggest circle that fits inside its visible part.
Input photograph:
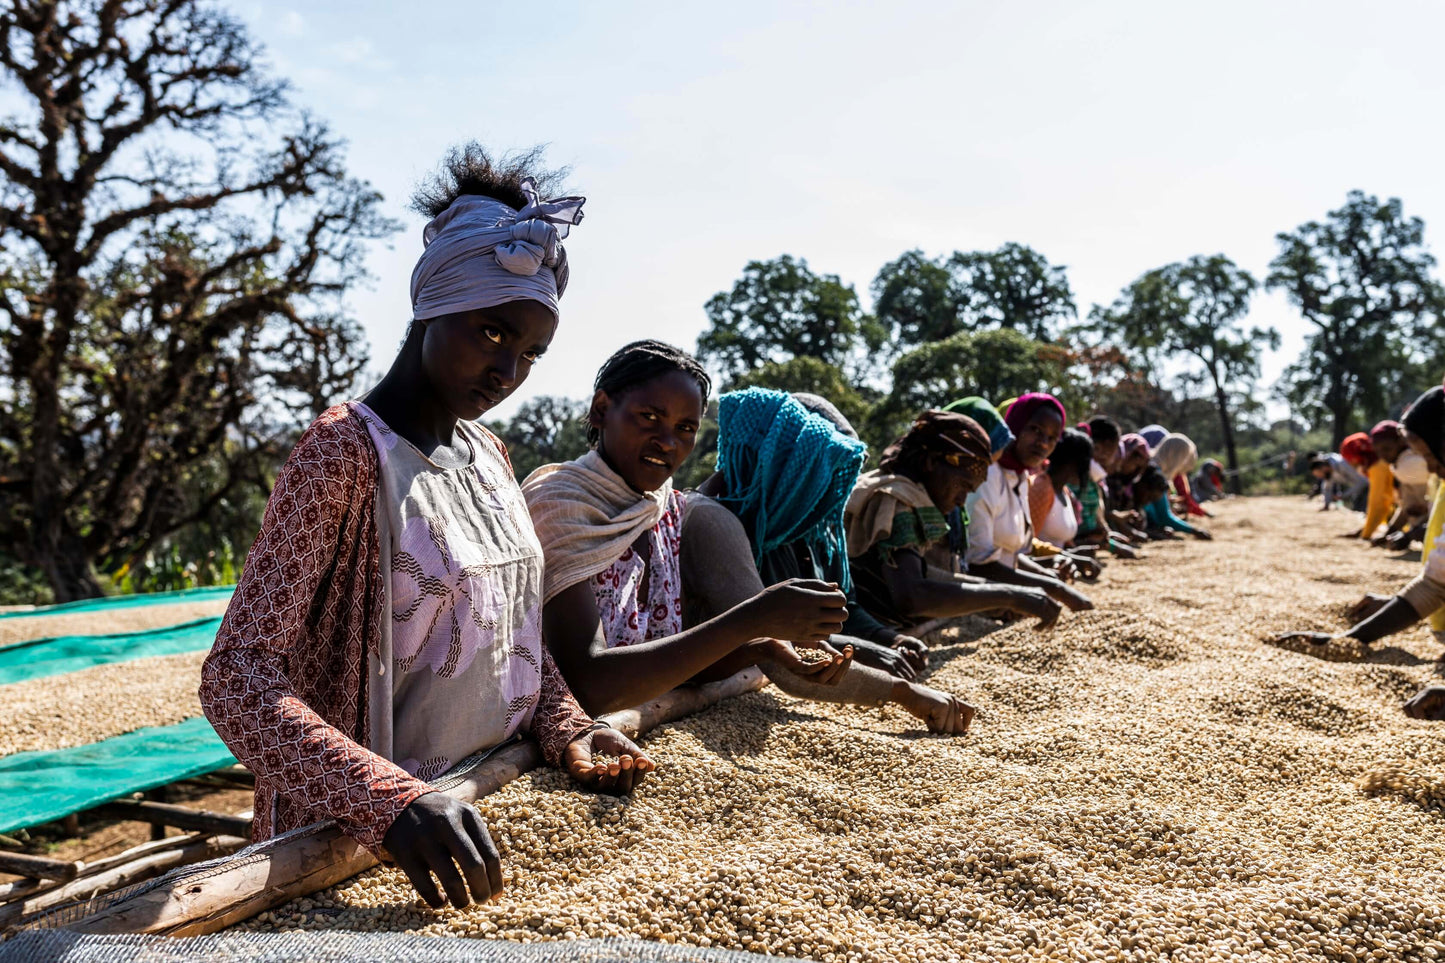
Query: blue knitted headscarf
(788, 472)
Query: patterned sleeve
(246, 690)
(558, 718)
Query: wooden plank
(23, 887)
(28, 888)
(311, 859)
(133, 871)
(167, 814)
(38, 867)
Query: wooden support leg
(158, 830)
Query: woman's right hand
(828, 671)
(798, 610)
(1070, 599)
(1036, 602)
(441, 835)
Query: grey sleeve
(718, 572)
(716, 561)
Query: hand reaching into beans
(914, 650)
(1309, 638)
(1367, 606)
(440, 835)
(1428, 703)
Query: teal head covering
(988, 419)
(788, 472)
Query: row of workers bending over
(1396, 470)
(408, 607)
(1380, 474)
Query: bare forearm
(938, 599)
(999, 572)
(1394, 617)
(627, 675)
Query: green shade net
(39, 787)
(70, 653)
(125, 601)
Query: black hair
(471, 169)
(826, 410)
(1151, 478)
(638, 363)
(1102, 428)
(1075, 449)
(1319, 461)
(1426, 417)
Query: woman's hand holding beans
(827, 671)
(618, 775)
(798, 610)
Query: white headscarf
(1175, 455)
(480, 252)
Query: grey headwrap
(480, 252)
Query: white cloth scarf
(586, 516)
(1175, 455)
(481, 253)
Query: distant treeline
(178, 238)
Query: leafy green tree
(545, 430)
(1014, 287)
(1193, 309)
(176, 241)
(918, 299)
(1362, 279)
(811, 375)
(780, 310)
(996, 365)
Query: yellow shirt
(1382, 497)
(1432, 535)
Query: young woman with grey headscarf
(387, 626)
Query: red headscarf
(1391, 428)
(1358, 451)
(1019, 414)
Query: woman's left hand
(1311, 638)
(620, 775)
(914, 650)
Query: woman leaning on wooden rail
(388, 622)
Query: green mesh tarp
(58, 946)
(39, 787)
(126, 601)
(69, 653)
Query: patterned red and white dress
(288, 683)
(627, 618)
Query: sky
(1112, 136)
